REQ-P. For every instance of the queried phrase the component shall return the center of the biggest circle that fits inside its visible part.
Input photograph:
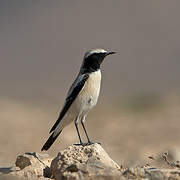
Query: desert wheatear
(82, 96)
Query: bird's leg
(76, 125)
(82, 122)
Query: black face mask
(92, 63)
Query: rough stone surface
(151, 174)
(79, 162)
(30, 165)
(90, 163)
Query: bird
(81, 97)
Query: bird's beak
(109, 53)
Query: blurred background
(42, 44)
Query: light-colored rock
(79, 162)
(151, 173)
(30, 165)
(89, 163)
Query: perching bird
(81, 97)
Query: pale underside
(84, 102)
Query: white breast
(88, 96)
(85, 101)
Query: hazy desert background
(42, 44)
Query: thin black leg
(82, 122)
(76, 125)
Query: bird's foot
(86, 144)
(80, 144)
(89, 143)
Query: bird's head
(93, 59)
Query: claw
(80, 144)
(90, 143)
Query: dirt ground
(129, 131)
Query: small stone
(22, 162)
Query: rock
(30, 165)
(35, 164)
(89, 162)
(84, 162)
(151, 173)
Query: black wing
(72, 94)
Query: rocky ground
(87, 162)
(140, 134)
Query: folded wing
(73, 92)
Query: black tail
(50, 141)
